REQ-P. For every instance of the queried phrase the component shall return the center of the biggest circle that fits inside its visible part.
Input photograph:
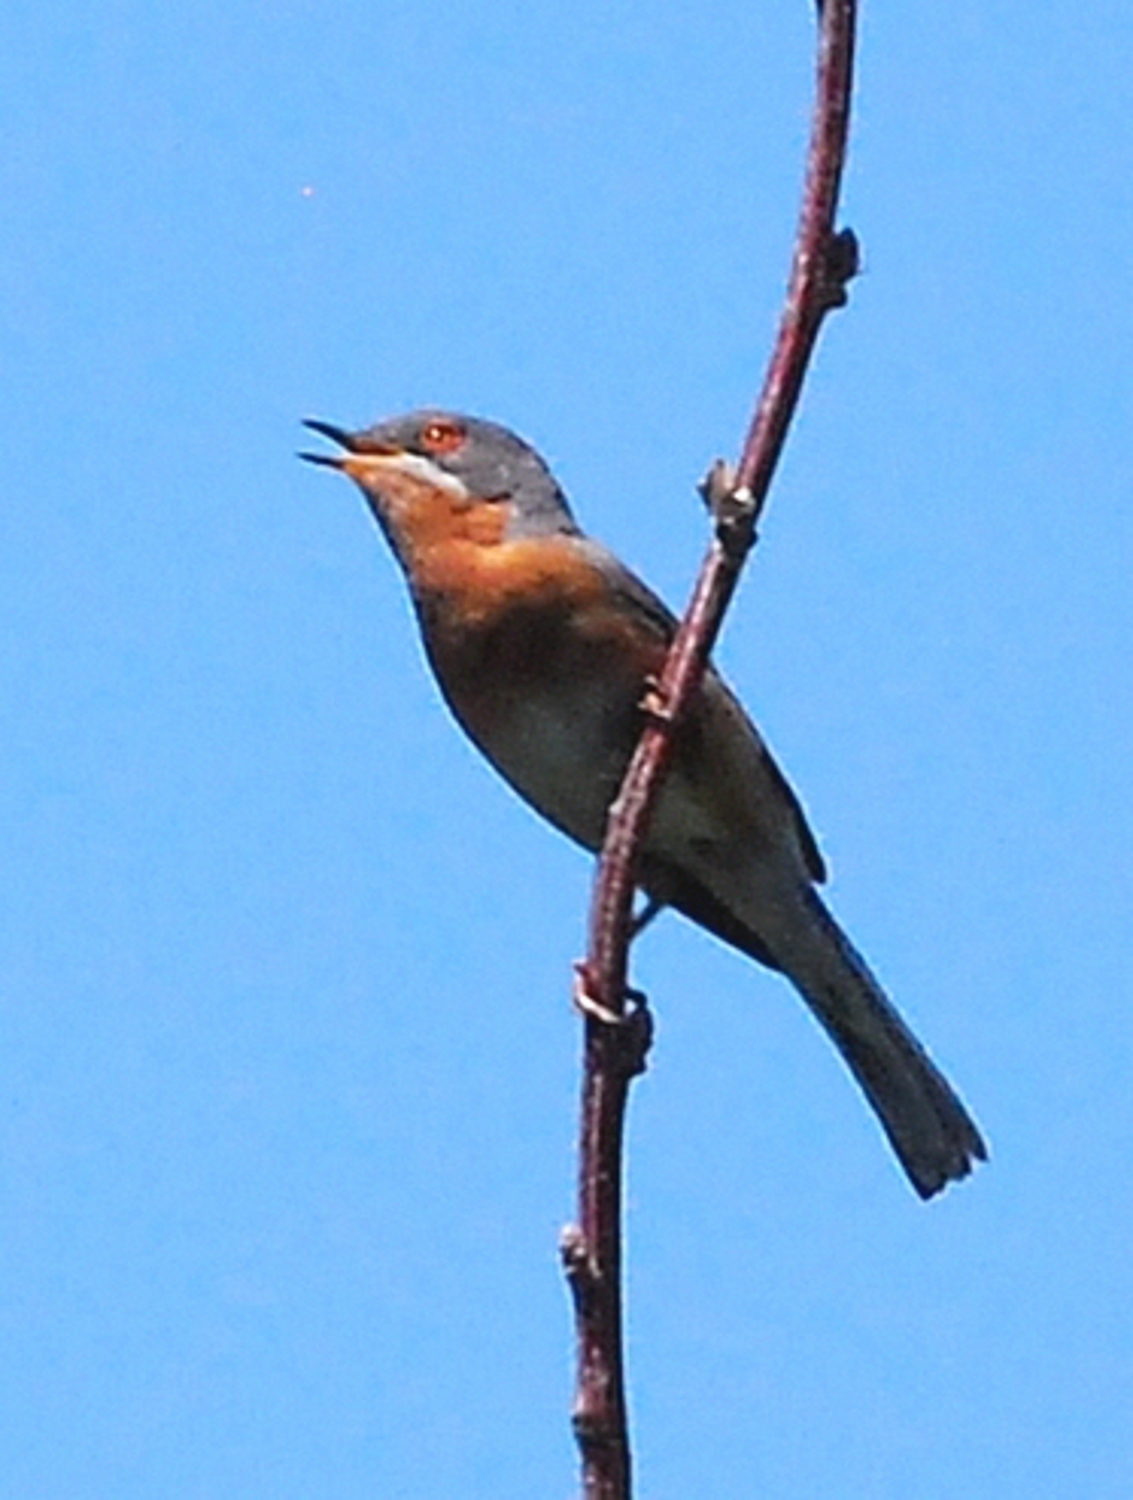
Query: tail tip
(931, 1177)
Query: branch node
(733, 507)
(718, 482)
(736, 515)
(579, 1267)
(843, 261)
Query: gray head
(489, 463)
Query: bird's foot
(631, 1028)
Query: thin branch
(617, 1040)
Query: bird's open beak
(360, 457)
(337, 435)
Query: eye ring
(442, 435)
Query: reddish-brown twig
(617, 1040)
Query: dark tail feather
(932, 1133)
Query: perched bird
(542, 641)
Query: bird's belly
(557, 712)
(567, 755)
(563, 754)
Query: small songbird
(542, 643)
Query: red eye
(442, 436)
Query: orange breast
(541, 667)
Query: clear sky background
(287, 1062)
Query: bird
(542, 642)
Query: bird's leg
(652, 908)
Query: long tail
(932, 1133)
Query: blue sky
(287, 1063)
